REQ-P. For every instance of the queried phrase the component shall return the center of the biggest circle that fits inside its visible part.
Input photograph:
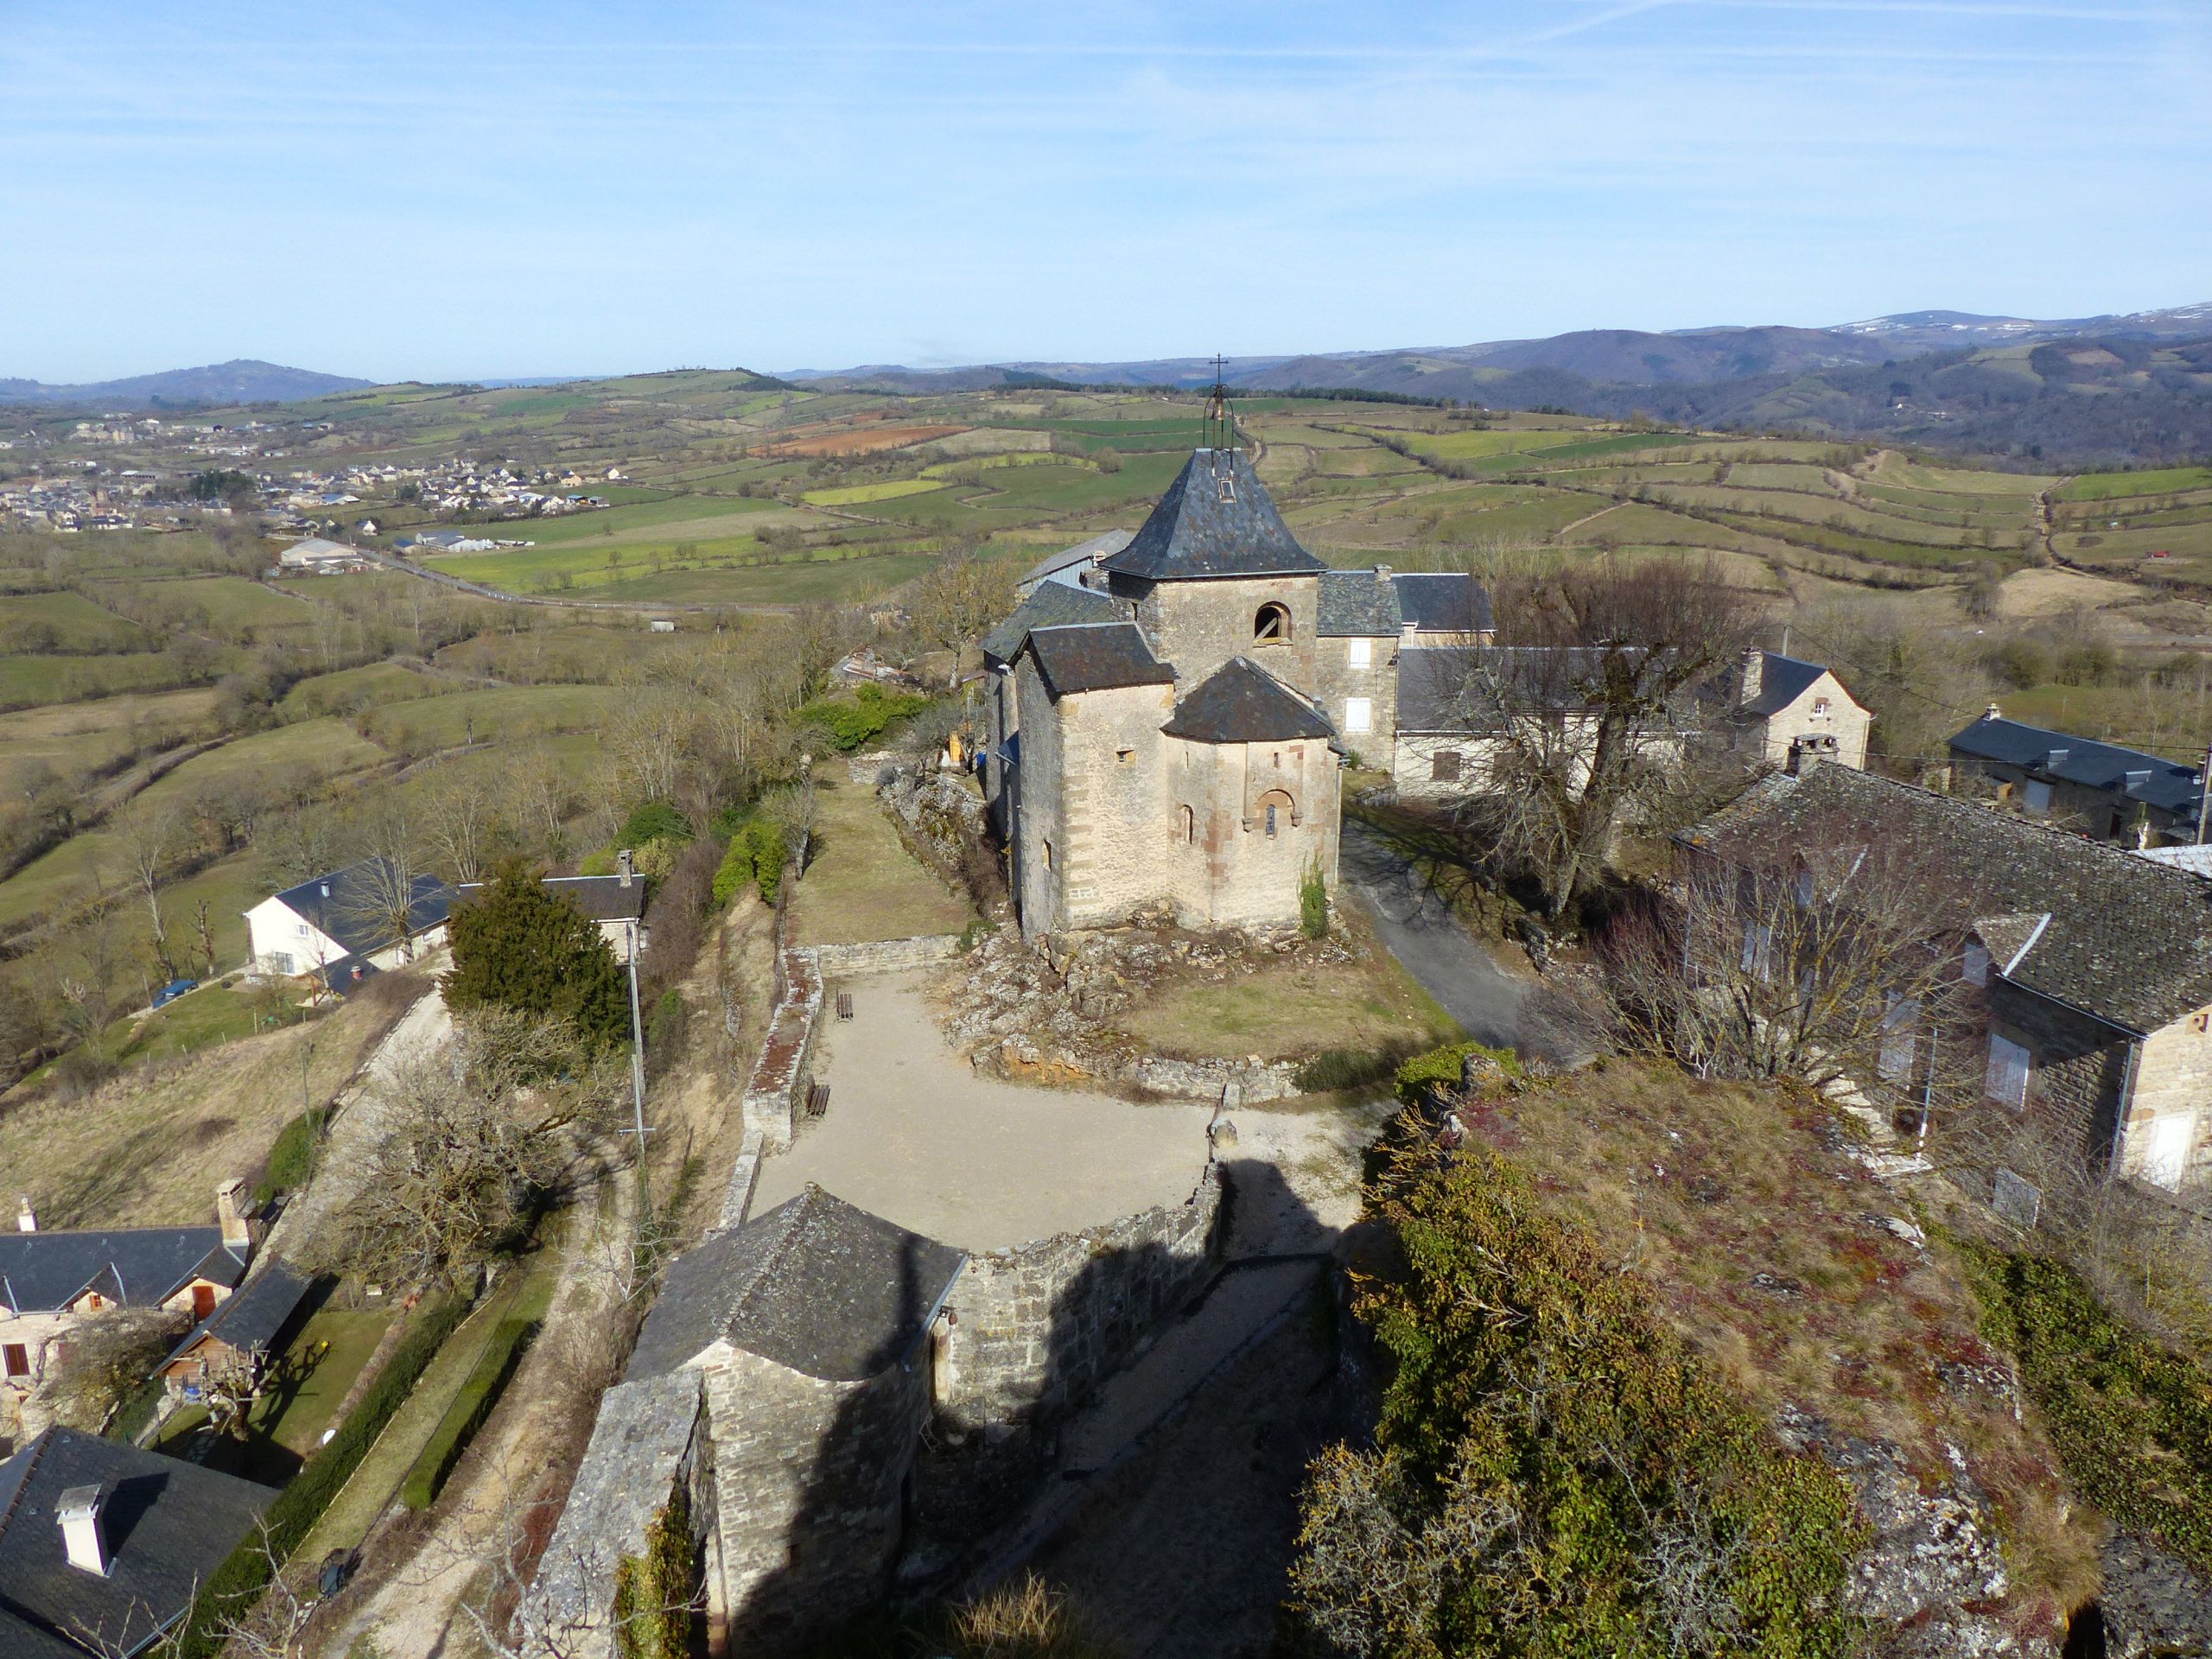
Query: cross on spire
(1218, 431)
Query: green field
(862, 492)
(26, 682)
(357, 688)
(505, 712)
(668, 517)
(2106, 487)
(66, 622)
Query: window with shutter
(2008, 1071)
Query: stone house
(52, 1283)
(2096, 964)
(325, 926)
(1787, 712)
(2110, 792)
(103, 1546)
(244, 1331)
(1155, 732)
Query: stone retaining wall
(775, 1091)
(884, 956)
(1034, 1327)
(1020, 1057)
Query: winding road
(1428, 940)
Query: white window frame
(1900, 1040)
(2035, 796)
(2011, 1065)
(1361, 653)
(1359, 714)
(1974, 964)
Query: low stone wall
(1020, 1057)
(1033, 1328)
(644, 1447)
(884, 956)
(775, 1091)
(744, 1177)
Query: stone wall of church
(1112, 808)
(1036, 836)
(1228, 870)
(1198, 626)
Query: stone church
(1159, 725)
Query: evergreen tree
(519, 945)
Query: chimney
(1754, 676)
(79, 1509)
(26, 1218)
(625, 867)
(1382, 573)
(228, 1212)
(1993, 713)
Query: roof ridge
(34, 1450)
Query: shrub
(237, 1582)
(292, 1158)
(518, 946)
(1554, 1471)
(1344, 1068)
(851, 724)
(1313, 904)
(653, 1593)
(654, 821)
(1443, 1067)
(2132, 1422)
(757, 854)
(467, 1414)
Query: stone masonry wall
(772, 1093)
(2079, 1068)
(884, 956)
(1113, 814)
(1846, 721)
(1336, 679)
(809, 1479)
(1035, 1327)
(2173, 1079)
(1037, 880)
(1198, 626)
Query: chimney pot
(1382, 573)
(1754, 675)
(80, 1513)
(26, 1217)
(230, 1213)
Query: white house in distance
(346, 918)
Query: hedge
(291, 1160)
(1442, 1068)
(244, 1573)
(510, 1338)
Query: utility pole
(637, 1050)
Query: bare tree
(1833, 962)
(381, 893)
(463, 816)
(479, 1131)
(1581, 700)
(957, 600)
(105, 1360)
(541, 794)
(649, 737)
(150, 833)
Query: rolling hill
(242, 380)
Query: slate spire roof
(1242, 702)
(1216, 519)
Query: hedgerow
(467, 1414)
(235, 1585)
(1555, 1472)
(851, 724)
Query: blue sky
(411, 191)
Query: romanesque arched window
(1278, 813)
(1187, 825)
(1272, 626)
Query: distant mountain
(1620, 356)
(243, 380)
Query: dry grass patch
(1797, 1275)
(147, 1148)
(863, 883)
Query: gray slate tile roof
(1095, 656)
(250, 1319)
(1443, 602)
(1216, 519)
(138, 1267)
(1054, 605)
(2129, 940)
(167, 1523)
(1783, 680)
(2062, 758)
(1065, 562)
(602, 897)
(344, 904)
(1357, 602)
(1242, 702)
(816, 1284)
(1434, 691)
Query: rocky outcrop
(1936, 1563)
(2153, 1604)
(1045, 1015)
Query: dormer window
(1228, 486)
(1272, 626)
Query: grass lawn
(214, 1014)
(286, 1424)
(67, 622)
(862, 884)
(1289, 1011)
(662, 515)
(2110, 486)
(799, 581)
(502, 712)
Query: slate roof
(167, 1524)
(1095, 656)
(1357, 602)
(138, 1267)
(1199, 529)
(1054, 605)
(1062, 566)
(816, 1284)
(250, 1319)
(2130, 774)
(1783, 680)
(1443, 602)
(1434, 692)
(1242, 702)
(2129, 939)
(343, 904)
(602, 897)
